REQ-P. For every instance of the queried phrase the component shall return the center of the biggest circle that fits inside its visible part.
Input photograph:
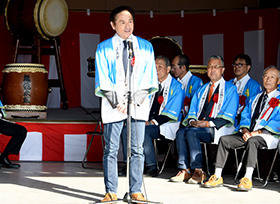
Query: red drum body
(25, 87)
(46, 18)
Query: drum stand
(36, 50)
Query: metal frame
(170, 144)
(264, 182)
(93, 133)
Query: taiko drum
(45, 18)
(25, 87)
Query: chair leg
(85, 156)
(95, 132)
(156, 152)
(165, 158)
(257, 167)
(236, 157)
(271, 167)
(206, 159)
(239, 166)
(102, 141)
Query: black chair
(94, 133)
(169, 146)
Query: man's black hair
(244, 57)
(184, 60)
(120, 9)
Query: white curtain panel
(254, 47)
(54, 95)
(88, 44)
(31, 149)
(212, 45)
(74, 147)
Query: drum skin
(168, 47)
(25, 87)
(45, 18)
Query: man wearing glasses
(247, 87)
(180, 69)
(211, 115)
(259, 128)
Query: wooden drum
(166, 46)
(25, 87)
(46, 18)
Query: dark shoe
(122, 172)
(5, 162)
(151, 172)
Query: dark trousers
(234, 141)
(18, 134)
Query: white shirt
(185, 80)
(240, 84)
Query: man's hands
(247, 134)
(122, 107)
(199, 123)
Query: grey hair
(217, 57)
(165, 59)
(272, 66)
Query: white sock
(218, 172)
(249, 172)
(188, 170)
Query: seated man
(18, 134)
(191, 83)
(247, 87)
(164, 118)
(211, 115)
(259, 127)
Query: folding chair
(204, 144)
(257, 167)
(94, 133)
(206, 156)
(169, 144)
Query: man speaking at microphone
(117, 61)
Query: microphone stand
(127, 198)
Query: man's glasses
(238, 65)
(215, 67)
(175, 66)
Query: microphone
(130, 49)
